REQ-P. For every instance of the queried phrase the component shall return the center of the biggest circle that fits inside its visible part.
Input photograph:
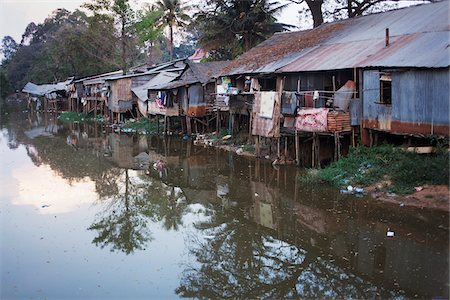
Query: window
(385, 88)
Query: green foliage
(235, 26)
(149, 126)
(71, 117)
(5, 87)
(65, 44)
(249, 148)
(149, 28)
(173, 15)
(367, 166)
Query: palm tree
(173, 16)
(235, 26)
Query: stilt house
(387, 72)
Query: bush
(367, 166)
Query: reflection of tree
(125, 222)
(239, 260)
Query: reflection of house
(265, 207)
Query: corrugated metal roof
(196, 72)
(205, 71)
(43, 89)
(99, 76)
(161, 78)
(419, 37)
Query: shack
(191, 94)
(55, 96)
(386, 72)
(120, 98)
(89, 93)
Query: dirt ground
(428, 196)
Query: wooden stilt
(339, 147)
(318, 150)
(278, 148)
(165, 125)
(285, 147)
(157, 123)
(250, 124)
(218, 121)
(257, 146)
(188, 125)
(297, 148)
(353, 137)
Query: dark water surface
(88, 214)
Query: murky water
(89, 214)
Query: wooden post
(188, 125)
(353, 137)
(250, 124)
(313, 150)
(257, 146)
(278, 148)
(318, 150)
(232, 123)
(165, 124)
(218, 121)
(336, 141)
(339, 146)
(157, 123)
(297, 148)
(285, 148)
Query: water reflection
(261, 234)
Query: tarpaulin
(312, 120)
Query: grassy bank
(142, 125)
(70, 117)
(394, 169)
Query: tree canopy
(231, 27)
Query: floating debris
(390, 233)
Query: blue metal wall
(418, 96)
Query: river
(87, 213)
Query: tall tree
(237, 25)
(8, 47)
(174, 15)
(149, 30)
(124, 16)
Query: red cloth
(312, 120)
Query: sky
(15, 15)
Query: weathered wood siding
(420, 102)
(121, 96)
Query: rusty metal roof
(418, 37)
(202, 72)
(44, 89)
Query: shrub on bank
(401, 171)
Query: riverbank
(391, 174)
(386, 173)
